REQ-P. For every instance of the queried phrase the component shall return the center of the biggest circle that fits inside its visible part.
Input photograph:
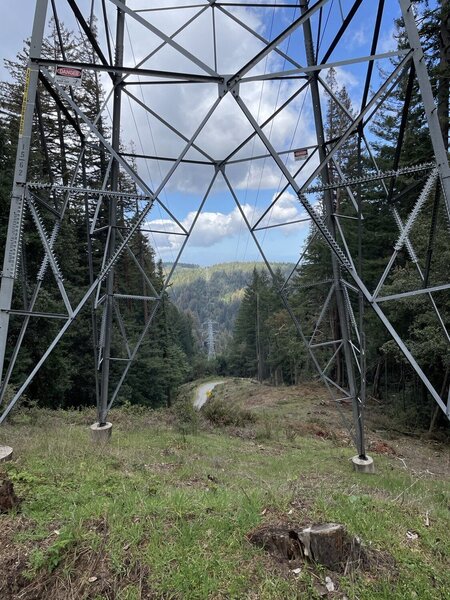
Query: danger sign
(301, 154)
(69, 76)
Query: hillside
(167, 509)
(214, 292)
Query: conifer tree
(55, 149)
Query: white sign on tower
(301, 154)
(69, 76)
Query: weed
(50, 558)
(266, 429)
(290, 433)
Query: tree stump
(280, 542)
(329, 545)
(8, 498)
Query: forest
(166, 355)
(214, 292)
(264, 343)
(257, 335)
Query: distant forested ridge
(215, 292)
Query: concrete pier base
(101, 434)
(363, 466)
(6, 453)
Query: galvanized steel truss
(346, 287)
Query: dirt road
(201, 395)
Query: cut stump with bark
(330, 545)
(280, 542)
(327, 544)
(8, 498)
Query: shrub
(187, 417)
(222, 413)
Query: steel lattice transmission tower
(210, 341)
(210, 60)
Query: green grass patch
(163, 512)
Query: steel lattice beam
(304, 78)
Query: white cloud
(359, 37)
(346, 78)
(286, 209)
(387, 42)
(185, 106)
(213, 227)
(210, 228)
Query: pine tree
(55, 149)
(253, 346)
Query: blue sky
(220, 234)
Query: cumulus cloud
(357, 37)
(210, 228)
(287, 208)
(184, 106)
(388, 42)
(213, 227)
(346, 78)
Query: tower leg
(329, 210)
(13, 237)
(102, 409)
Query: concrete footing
(101, 434)
(6, 453)
(361, 465)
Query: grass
(160, 513)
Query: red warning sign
(301, 154)
(69, 76)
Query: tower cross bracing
(202, 83)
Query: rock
(329, 584)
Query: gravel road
(201, 395)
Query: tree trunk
(64, 172)
(444, 67)
(377, 380)
(435, 416)
(335, 334)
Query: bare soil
(92, 574)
